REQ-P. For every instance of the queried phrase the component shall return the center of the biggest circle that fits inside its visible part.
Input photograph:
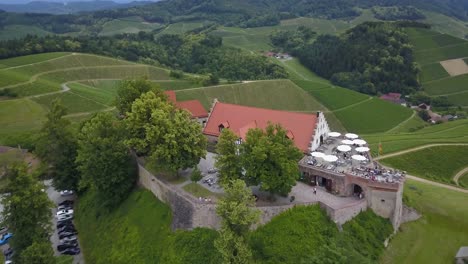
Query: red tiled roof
(171, 96)
(194, 107)
(300, 126)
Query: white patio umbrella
(359, 142)
(330, 158)
(351, 136)
(343, 148)
(334, 134)
(358, 157)
(362, 149)
(347, 142)
(317, 154)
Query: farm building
(194, 107)
(462, 256)
(307, 131)
(393, 98)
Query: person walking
(315, 190)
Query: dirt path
(418, 148)
(453, 188)
(402, 123)
(352, 105)
(459, 174)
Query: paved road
(56, 198)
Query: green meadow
(127, 25)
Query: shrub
(176, 74)
(196, 175)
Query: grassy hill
(432, 47)
(139, 231)
(127, 25)
(436, 163)
(437, 236)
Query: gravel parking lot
(55, 197)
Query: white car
(66, 192)
(64, 217)
(64, 212)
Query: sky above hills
(63, 1)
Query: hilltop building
(194, 107)
(307, 131)
(394, 98)
(381, 189)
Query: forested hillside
(195, 53)
(373, 57)
(243, 13)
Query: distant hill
(49, 7)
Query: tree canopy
(167, 135)
(104, 160)
(228, 160)
(38, 253)
(129, 90)
(27, 209)
(236, 218)
(57, 146)
(270, 159)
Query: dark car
(69, 243)
(67, 227)
(63, 247)
(66, 203)
(66, 234)
(71, 251)
(64, 223)
(69, 239)
(8, 253)
(68, 231)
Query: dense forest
(397, 13)
(372, 58)
(242, 13)
(195, 53)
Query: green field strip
(433, 72)
(447, 85)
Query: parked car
(64, 207)
(67, 203)
(71, 251)
(63, 247)
(68, 239)
(67, 228)
(66, 192)
(68, 231)
(64, 223)
(71, 243)
(5, 237)
(65, 234)
(64, 212)
(64, 218)
(8, 253)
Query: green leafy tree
(27, 209)
(104, 160)
(237, 217)
(270, 158)
(228, 160)
(57, 146)
(38, 253)
(196, 175)
(130, 90)
(167, 135)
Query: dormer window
(223, 125)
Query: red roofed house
(194, 107)
(393, 98)
(306, 130)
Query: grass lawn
(336, 98)
(373, 116)
(127, 25)
(297, 71)
(432, 72)
(463, 180)
(18, 116)
(199, 191)
(101, 96)
(450, 132)
(413, 124)
(23, 60)
(439, 163)
(274, 94)
(64, 259)
(447, 86)
(459, 98)
(436, 237)
(74, 103)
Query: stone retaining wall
(188, 212)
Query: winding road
(459, 174)
(418, 148)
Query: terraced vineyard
(430, 49)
